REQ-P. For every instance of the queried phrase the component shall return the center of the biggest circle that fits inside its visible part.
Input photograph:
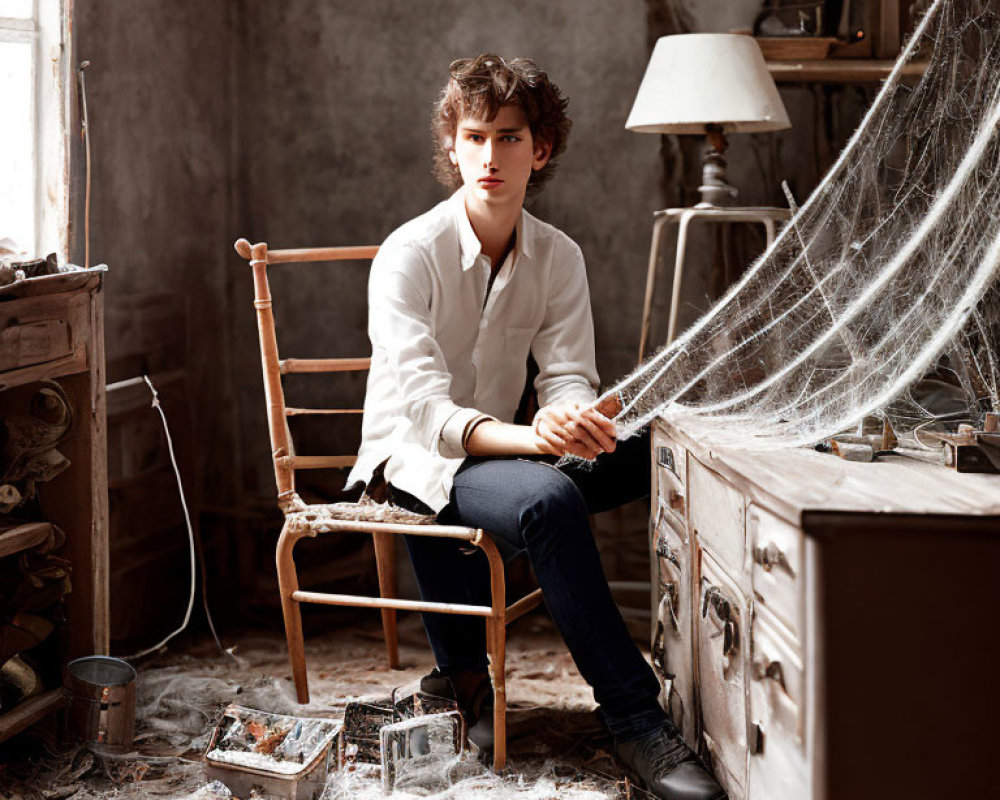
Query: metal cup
(101, 702)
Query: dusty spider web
(888, 270)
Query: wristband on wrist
(474, 423)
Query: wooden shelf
(29, 712)
(69, 306)
(14, 540)
(839, 70)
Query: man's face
(496, 158)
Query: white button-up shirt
(443, 352)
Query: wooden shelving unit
(839, 70)
(21, 537)
(26, 714)
(52, 329)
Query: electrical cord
(191, 545)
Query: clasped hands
(577, 430)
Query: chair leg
(385, 562)
(496, 645)
(288, 584)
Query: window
(34, 141)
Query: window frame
(47, 31)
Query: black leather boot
(663, 764)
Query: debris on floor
(556, 743)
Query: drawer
(717, 515)
(672, 652)
(776, 551)
(721, 642)
(778, 756)
(777, 677)
(36, 330)
(669, 468)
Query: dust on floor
(557, 744)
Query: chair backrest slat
(289, 365)
(282, 450)
(306, 254)
(299, 412)
(322, 462)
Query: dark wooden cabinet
(51, 329)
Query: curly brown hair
(477, 88)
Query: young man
(458, 297)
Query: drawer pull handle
(676, 502)
(669, 601)
(771, 670)
(665, 551)
(665, 458)
(771, 556)
(713, 599)
(658, 652)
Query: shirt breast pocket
(517, 342)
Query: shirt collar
(469, 245)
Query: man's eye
(474, 137)
(511, 138)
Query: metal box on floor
(286, 757)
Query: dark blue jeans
(531, 506)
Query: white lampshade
(697, 79)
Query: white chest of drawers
(827, 629)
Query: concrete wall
(158, 91)
(302, 123)
(158, 95)
(306, 123)
(335, 100)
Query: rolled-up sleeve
(564, 345)
(400, 323)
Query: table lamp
(711, 84)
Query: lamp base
(714, 189)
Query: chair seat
(316, 518)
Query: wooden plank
(146, 334)
(61, 283)
(473, 535)
(29, 712)
(290, 365)
(846, 70)
(889, 38)
(322, 462)
(321, 254)
(526, 604)
(68, 365)
(299, 412)
(36, 342)
(97, 616)
(14, 540)
(322, 598)
(791, 480)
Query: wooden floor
(557, 743)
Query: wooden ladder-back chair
(382, 523)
